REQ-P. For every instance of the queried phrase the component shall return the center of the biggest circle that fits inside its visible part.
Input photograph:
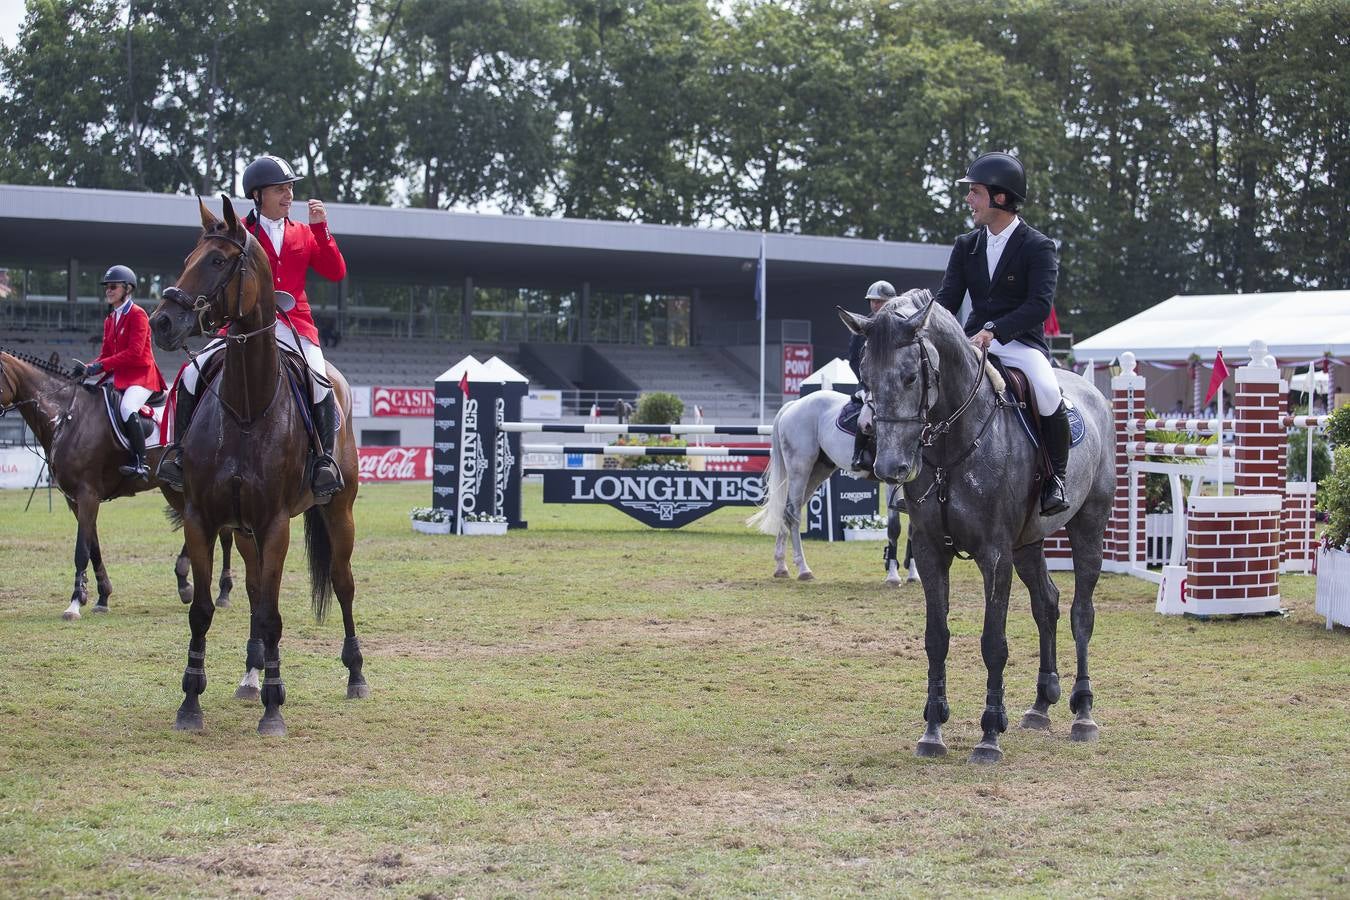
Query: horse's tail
(320, 551)
(769, 518)
(174, 516)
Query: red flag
(464, 384)
(1052, 323)
(1217, 379)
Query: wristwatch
(989, 327)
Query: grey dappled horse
(971, 484)
(805, 449)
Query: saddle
(847, 421)
(1024, 402)
(298, 377)
(149, 415)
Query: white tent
(1297, 327)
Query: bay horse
(245, 463)
(806, 447)
(70, 423)
(971, 483)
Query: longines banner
(402, 401)
(472, 459)
(395, 463)
(841, 495)
(660, 499)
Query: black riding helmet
(266, 171)
(999, 172)
(119, 275)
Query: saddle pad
(151, 417)
(1077, 428)
(847, 421)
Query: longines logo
(445, 401)
(855, 496)
(444, 446)
(667, 510)
(505, 462)
(440, 491)
(473, 461)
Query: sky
(11, 17)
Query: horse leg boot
(131, 427)
(171, 463)
(1055, 431)
(327, 478)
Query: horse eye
(909, 382)
(218, 262)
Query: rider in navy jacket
(1010, 270)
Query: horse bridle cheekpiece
(203, 304)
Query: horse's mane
(40, 364)
(910, 302)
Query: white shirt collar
(275, 228)
(121, 310)
(1003, 235)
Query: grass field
(592, 707)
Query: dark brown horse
(245, 462)
(70, 423)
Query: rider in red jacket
(127, 357)
(292, 250)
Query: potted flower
(483, 523)
(864, 528)
(1333, 557)
(430, 520)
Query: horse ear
(919, 320)
(231, 219)
(852, 321)
(209, 219)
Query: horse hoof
(358, 691)
(928, 749)
(100, 608)
(913, 579)
(893, 580)
(806, 576)
(1035, 720)
(781, 574)
(272, 725)
(1084, 731)
(70, 615)
(247, 692)
(986, 754)
(188, 722)
(185, 595)
(222, 602)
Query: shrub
(658, 408)
(429, 514)
(1157, 494)
(1334, 495)
(1298, 457)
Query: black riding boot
(136, 437)
(170, 469)
(1055, 433)
(864, 451)
(327, 478)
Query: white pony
(808, 446)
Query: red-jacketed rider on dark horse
(292, 250)
(126, 356)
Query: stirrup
(170, 469)
(1053, 501)
(327, 478)
(136, 470)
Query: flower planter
(431, 527)
(484, 528)
(864, 534)
(1333, 586)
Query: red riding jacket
(303, 247)
(126, 353)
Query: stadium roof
(1296, 326)
(52, 225)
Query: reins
(204, 305)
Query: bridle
(929, 376)
(203, 306)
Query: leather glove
(78, 369)
(94, 368)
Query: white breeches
(133, 398)
(1038, 369)
(313, 358)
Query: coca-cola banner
(402, 401)
(395, 463)
(796, 366)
